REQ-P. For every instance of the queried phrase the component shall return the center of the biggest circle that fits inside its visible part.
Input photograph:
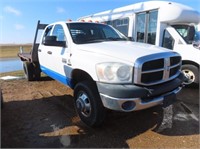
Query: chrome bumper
(134, 104)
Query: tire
(37, 76)
(1, 96)
(28, 71)
(88, 104)
(37, 73)
(192, 74)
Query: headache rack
(32, 56)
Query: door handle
(49, 52)
(39, 50)
(64, 60)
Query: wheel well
(79, 76)
(184, 62)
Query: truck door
(60, 56)
(43, 51)
(57, 63)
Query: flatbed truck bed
(32, 56)
(30, 60)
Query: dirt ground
(41, 114)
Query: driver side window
(59, 33)
(168, 41)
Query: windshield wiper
(91, 41)
(115, 39)
(101, 40)
(95, 40)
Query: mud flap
(169, 99)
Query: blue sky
(18, 18)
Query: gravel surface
(41, 114)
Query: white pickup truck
(104, 68)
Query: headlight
(114, 72)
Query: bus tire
(192, 74)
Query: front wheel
(191, 72)
(88, 104)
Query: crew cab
(104, 68)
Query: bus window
(146, 25)
(140, 30)
(168, 41)
(120, 24)
(152, 26)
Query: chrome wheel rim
(83, 104)
(189, 75)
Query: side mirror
(52, 41)
(196, 44)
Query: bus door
(146, 26)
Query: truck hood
(124, 50)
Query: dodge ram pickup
(104, 68)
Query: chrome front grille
(157, 68)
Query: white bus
(161, 23)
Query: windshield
(90, 33)
(188, 33)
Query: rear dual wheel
(31, 72)
(1, 96)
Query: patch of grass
(11, 51)
(19, 73)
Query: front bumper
(131, 97)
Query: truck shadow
(46, 78)
(182, 118)
(52, 122)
